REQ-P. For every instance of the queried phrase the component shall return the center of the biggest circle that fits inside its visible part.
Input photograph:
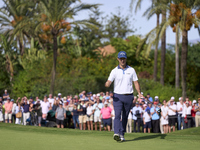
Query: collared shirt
(96, 109)
(8, 107)
(155, 116)
(187, 111)
(180, 107)
(170, 112)
(134, 111)
(26, 108)
(123, 79)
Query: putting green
(41, 138)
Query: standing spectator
(5, 95)
(193, 113)
(147, 119)
(75, 115)
(18, 109)
(1, 100)
(8, 110)
(129, 123)
(50, 100)
(90, 116)
(155, 117)
(197, 110)
(13, 110)
(82, 114)
(187, 114)
(106, 116)
(164, 116)
(60, 115)
(97, 109)
(55, 105)
(149, 98)
(180, 107)
(45, 107)
(26, 113)
(172, 114)
(1, 111)
(137, 111)
(38, 110)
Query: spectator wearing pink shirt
(8, 110)
(106, 116)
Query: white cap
(106, 103)
(110, 100)
(172, 97)
(142, 93)
(94, 95)
(179, 98)
(82, 99)
(156, 97)
(98, 95)
(194, 101)
(59, 94)
(5, 90)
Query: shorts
(90, 118)
(59, 122)
(82, 118)
(106, 122)
(147, 125)
(8, 116)
(172, 120)
(39, 119)
(97, 119)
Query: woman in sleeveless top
(164, 118)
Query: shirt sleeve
(135, 78)
(112, 76)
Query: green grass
(31, 138)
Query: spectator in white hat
(180, 107)
(172, 114)
(82, 114)
(187, 115)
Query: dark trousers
(138, 121)
(189, 122)
(13, 118)
(193, 122)
(155, 126)
(122, 105)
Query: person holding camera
(137, 111)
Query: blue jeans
(75, 120)
(180, 119)
(122, 105)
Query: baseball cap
(155, 103)
(82, 99)
(187, 102)
(106, 103)
(137, 103)
(156, 97)
(122, 54)
(65, 98)
(12, 100)
(194, 101)
(145, 105)
(172, 97)
(59, 94)
(107, 97)
(98, 95)
(179, 98)
(8, 98)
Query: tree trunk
(156, 54)
(53, 77)
(163, 50)
(177, 58)
(184, 62)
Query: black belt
(128, 94)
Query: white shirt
(51, 100)
(170, 112)
(14, 107)
(130, 116)
(187, 111)
(146, 117)
(180, 106)
(89, 110)
(123, 79)
(134, 111)
(45, 107)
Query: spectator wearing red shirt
(106, 116)
(193, 112)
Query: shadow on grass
(162, 136)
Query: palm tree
(54, 14)
(152, 10)
(10, 16)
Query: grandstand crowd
(88, 111)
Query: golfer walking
(123, 76)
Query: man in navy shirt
(123, 76)
(26, 113)
(5, 95)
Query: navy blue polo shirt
(26, 108)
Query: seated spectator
(60, 115)
(172, 114)
(137, 111)
(147, 119)
(75, 115)
(164, 116)
(18, 109)
(97, 109)
(197, 110)
(155, 117)
(1, 111)
(187, 115)
(45, 108)
(90, 116)
(106, 116)
(82, 114)
(8, 110)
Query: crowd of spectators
(88, 111)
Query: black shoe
(116, 137)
